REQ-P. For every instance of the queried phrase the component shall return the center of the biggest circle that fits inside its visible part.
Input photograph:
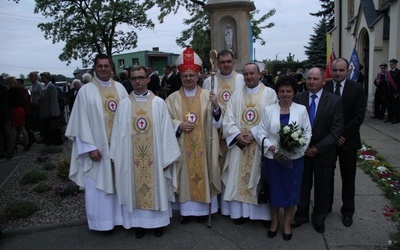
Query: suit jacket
(4, 111)
(173, 83)
(353, 105)
(328, 123)
(48, 103)
(154, 84)
(71, 98)
(395, 74)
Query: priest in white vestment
(144, 148)
(196, 114)
(241, 173)
(90, 126)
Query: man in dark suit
(352, 97)
(76, 83)
(326, 118)
(154, 84)
(169, 83)
(393, 92)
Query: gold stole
(250, 118)
(110, 100)
(144, 162)
(194, 148)
(226, 87)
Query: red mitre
(189, 60)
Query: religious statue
(228, 35)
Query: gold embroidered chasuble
(144, 164)
(110, 100)
(250, 117)
(195, 150)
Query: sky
(23, 47)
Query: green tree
(327, 12)
(93, 26)
(4, 75)
(316, 49)
(198, 32)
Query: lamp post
(276, 56)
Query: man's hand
(311, 151)
(186, 127)
(244, 139)
(95, 155)
(214, 100)
(341, 141)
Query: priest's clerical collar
(103, 83)
(190, 92)
(253, 90)
(227, 76)
(144, 94)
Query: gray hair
(76, 81)
(87, 78)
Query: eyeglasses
(188, 76)
(140, 78)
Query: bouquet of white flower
(291, 137)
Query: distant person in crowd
(283, 170)
(90, 127)
(353, 104)
(169, 83)
(36, 92)
(124, 80)
(76, 84)
(380, 83)
(87, 77)
(278, 74)
(241, 171)
(17, 112)
(192, 109)
(28, 110)
(50, 111)
(145, 117)
(6, 142)
(154, 84)
(300, 79)
(326, 116)
(393, 93)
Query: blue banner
(354, 66)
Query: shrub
(66, 189)
(41, 188)
(33, 177)
(17, 210)
(63, 168)
(49, 166)
(42, 157)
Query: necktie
(337, 90)
(312, 109)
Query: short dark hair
(102, 56)
(251, 63)
(342, 59)
(168, 67)
(286, 80)
(138, 68)
(224, 53)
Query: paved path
(370, 229)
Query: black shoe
(158, 232)
(386, 121)
(272, 234)
(140, 232)
(287, 237)
(320, 228)
(27, 147)
(185, 219)
(297, 223)
(347, 221)
(240, 221)
(201, 219)
(381, 118)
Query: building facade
(370, 26)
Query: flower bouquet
(291, 138)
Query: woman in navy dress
(283, 172)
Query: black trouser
(52, 132)
(379, 105)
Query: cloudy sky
(23, 47)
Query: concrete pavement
(370, 229)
